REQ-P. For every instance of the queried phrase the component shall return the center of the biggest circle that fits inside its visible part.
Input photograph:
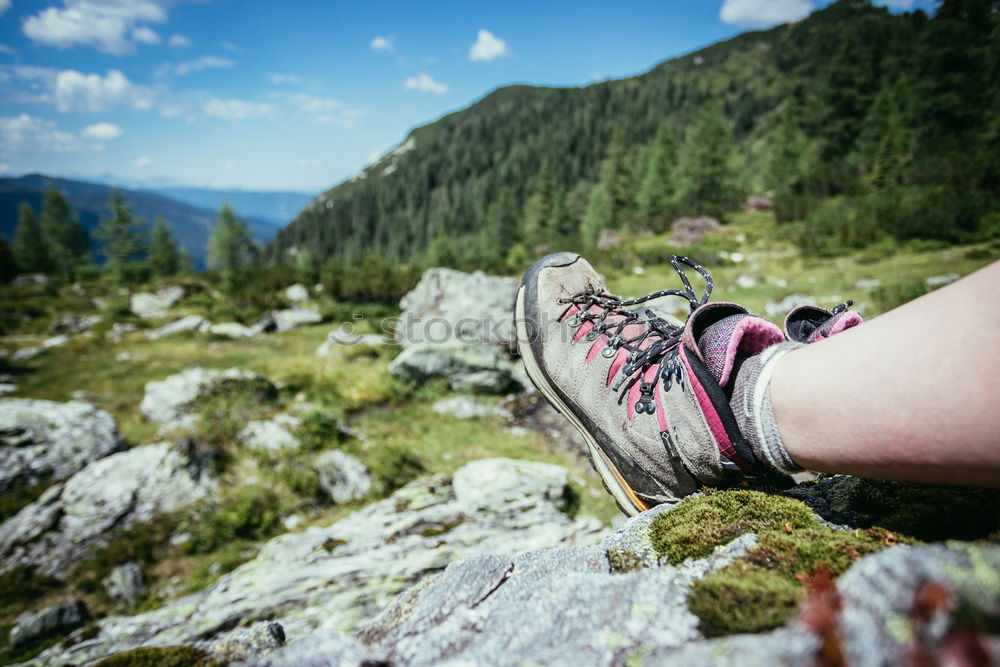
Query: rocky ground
(182, 486)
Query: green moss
(226, 559)
(320, 430)
(21, 586)
(698, 525)
(301, 479)
(743, 598)
(761, 590)
(20, 493)
(141, 542)
(230, 407)
(159, 656)
(624, 560)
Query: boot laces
(656, 345)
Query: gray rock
(497, 482)
(776, 308)
(55, 341)
(175, 396)
(938, 281)
(148, 305)
(325, 580)
(266, 324)
(447, 305)
(48, 440)
(323, 649)
(291, 318)
(188, 323)
(271, 435)
(32, 279)
(70, 520)
(341, 476)
(231, 330)
(467, 407)
(476, 368)
(54, 620)
(73, 323)
(27, 354)
(126, 584)
(7, 388)
(247, 644)
(297, 293)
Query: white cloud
(143, 162)
(424, 84)
(901, 5)
(75, 91)
(102, 131)
(177, 41)
(104, 24)
(386, 44)
(30, 134)
(146, 35)
(9, 50)
(762, 13)
(488, 47)
(283, 79)
(235, 109)
(4, 6)
(185, 68)
(314, 103)
(229, 46)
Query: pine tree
(891, 157)
(123, 242)
(538, 208)
(617, 180)
(599, 216)
(704, 178)
(8, 267)
(68, 241)
(164, 258)
(500, 233)
(658, 189)
(185, 265)
(231, 248)
(31, 252)
(563, 226)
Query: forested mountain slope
(191, 226)
(894, 114)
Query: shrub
(253, 513)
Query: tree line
(56, 244)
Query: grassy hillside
(191, 226)
(896, 112)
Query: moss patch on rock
(761, 590)
(159, 656)
(623, 560)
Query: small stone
(55, 341)
(271, 435)
(148, 305)
(291, 318)
(27, 354)
(189, 323)
(126, 584)
(248, 645)
(343, 477)
(7, 388)
(55, 620)
(231, 330)
(297, 293)
(938, 281)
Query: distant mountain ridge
(278, 207)
(191, 225)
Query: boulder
(188, 323)
(55, 620)
(686, 231)
(231, 330)
(72, 519)
(118, 331)
(246, 645)
(467, 407)
(448, 305)
(341, 476)
(473, 368)
(45, 440)
(55, 341)
(176, 396)
(297, 293)
(7, 388)
(126, 584)
(149, 305)
(27, 354)
(291, 318)
(271, 435)
(326, 580)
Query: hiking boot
(650, 397)
(810, 324)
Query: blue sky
(300, 94)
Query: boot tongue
(726, 344)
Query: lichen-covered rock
(188, 323)
(343, 477)
(272, 435)
(247, 645)
(177, 395)
(333, 578)
(323, 649)
(126, 584)
(149, 305)
(54, 620)
(48, 440)
(70, 520)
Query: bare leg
(911, 395)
